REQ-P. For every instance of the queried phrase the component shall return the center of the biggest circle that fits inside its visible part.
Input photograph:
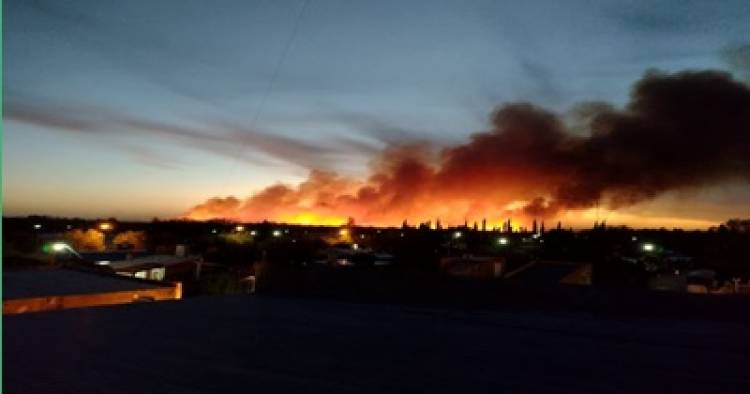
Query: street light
(58, 247)
(457, 235)
(649, 247)
(276, 233)
(105, 226)
(239, 228)
(502, 241)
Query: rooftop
(266, 344)
(62, 282)
(160, 259)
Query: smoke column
(678, 131)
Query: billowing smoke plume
(682, 130)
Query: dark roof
(57, 282)
(544, 273)
(113, 255)
(261, 344)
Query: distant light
(361, 236)
(355, 246)
(343, 232)
(105, 226)
(214, 231)
(286, 231)
(68, 227)
(648, 247)
(502, 241)
(37, 226)
(457, 234)
(276, 233)
(239, 228)
(59, 246)
(253, 233)
(634, 238)
(103, 262)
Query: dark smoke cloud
(678, 131)
(738, 60)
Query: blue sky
(143, 108)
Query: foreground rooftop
(57, 288)
(269, 345)
(61, 282)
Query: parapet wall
(50, 303)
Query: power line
(271, 83)
(280, 63)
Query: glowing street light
(649, 247)
(37, 227)
(457, 235)
(253, 232)
(239, 228)
(503, 241)
(105, 226)
(58, 247)
(276, 233)
(343, 232)
(355, 246)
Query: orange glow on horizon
(312, 219)
(576, 219)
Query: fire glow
(531, 164)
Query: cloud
(222, 138)
(738, 60)
(51, 116)
(679, 131)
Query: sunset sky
(137, 109)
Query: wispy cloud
(151, 158)
(221, 138)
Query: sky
(143, 109)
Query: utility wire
(271, 84)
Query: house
(476, 267)
(158, 267)
(57, 288)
